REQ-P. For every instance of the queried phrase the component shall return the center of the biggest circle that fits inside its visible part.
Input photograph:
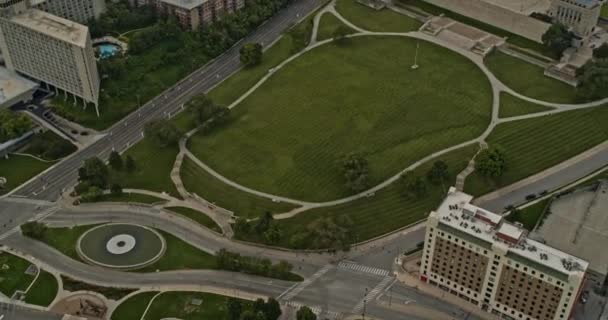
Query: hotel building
(50, 49)
(478, 256)
(580, 15)
(80, 11)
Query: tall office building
(478, 256)
(80, 11)
(50, 49)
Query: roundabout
(121, 246)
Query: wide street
(10, 311)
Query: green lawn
(177, 305)
(511, 106)
(529, 216)
(134, 307)
(131, 197)
(529, 80)
(49, 146)
(19, 169)
(243, 204)
(388, 209)
(604, 12)
(536, 144)
(44, 290)
(154, 163)
(197, 216)
(13, 277)
(65, 239)
(287, 136)
(328, 25)
(235, 86)
(72, 285)
(376, 20)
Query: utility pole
(415, 65)
(364, 304)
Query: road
(50, 185)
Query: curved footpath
(53, 260)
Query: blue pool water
(107, 50)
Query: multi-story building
(580, 15)
(478, 256)
(192, 14)
(80, 11)
(50, 49)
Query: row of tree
(95, 176)
(231, 261)
(262, 310)
(120, 17)
(323, 233)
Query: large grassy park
(287, 136)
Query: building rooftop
(491, 230)
(13, 86)
(185, 4)
(53, 26)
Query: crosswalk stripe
(371, 295)
(294, 291)
(332, 315)
(363, 268)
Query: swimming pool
(107, 50)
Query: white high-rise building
(52, 50)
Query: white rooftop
(53, 26)
(185, 4)
(457, 212)
(13, 86)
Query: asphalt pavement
(51, 184)
(13, 312)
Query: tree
(34, 230)
(594, 80)
(163, 132)
(94, 172)
(259, 305)
(341, 33)
(557, 38)
(93, 194)
(304, 313)
(438, 173)
(413, 186)
(491, 162)
(264, 223)
(355, 170)
(116, 189)
(235, 308)
(248, 315)
(130, 164)
(251, 54)
(273, 308)
(115, 161)
(601, 52)
(13, 125)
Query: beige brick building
(478, 256)
(192, 14)
(80, 11)
(580, 15)
(51, 50)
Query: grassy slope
(328, 24)
(19, 169)
(65, 239)
(511, 106)
(536, 144)
(134, 307)
(243, 204)
(13, 278)
(177, 305)
(388, 209)
(288, 135)
(196, 216)
(44, 290)
(372, 20)
(528, 79)
(131, 197)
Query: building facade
(80, 11)
(192, 14)
(52, 50)
(478, 256)
(580, 15)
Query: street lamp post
(415, 65)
